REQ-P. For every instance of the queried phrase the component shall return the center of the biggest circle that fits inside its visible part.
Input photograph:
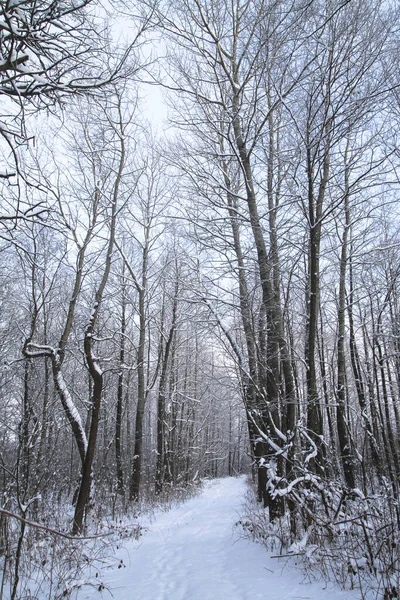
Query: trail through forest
(194, 552)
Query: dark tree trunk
(86, 480)
(134, 488)
(120, 395)
(161, 441)
(343, 426)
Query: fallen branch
(50, 530)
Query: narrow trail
(193, 553)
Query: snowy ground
(193, 553)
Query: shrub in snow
(351, 539)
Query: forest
(205, 295)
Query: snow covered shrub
(46, 563)
(358, 545)
(172, 495)
(255, 524)
(40, 560)
(351, 539)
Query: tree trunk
(86, 480)
(134, 488)
(120, 392)
(346, 451)
(161, 441)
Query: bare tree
(48, 51)
(118, 123)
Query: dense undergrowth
(50, 564)
(352, 540)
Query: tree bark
(161, 438)
(343, 426)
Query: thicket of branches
(172, 306)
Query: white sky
(153, 106)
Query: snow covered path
(193, 553)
